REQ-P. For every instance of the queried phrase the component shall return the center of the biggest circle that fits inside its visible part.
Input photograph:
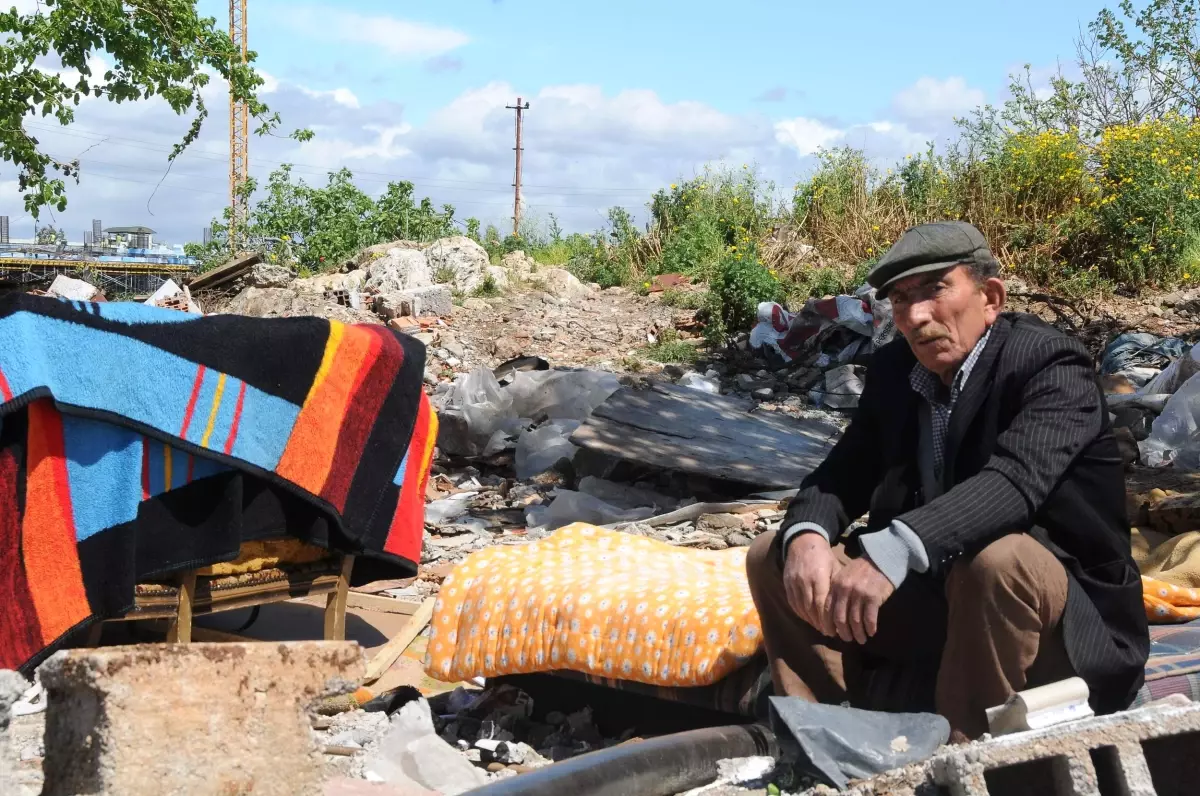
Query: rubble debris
(412, 753)
(519, 264)
(171, 296)
(561, 283)
(430, 301)
(459, 260)
(843, 386)
(111, 707)
(289, 302)
(569, 506)
(268, 275)
(711, 435)
(398, 270)
(12, 686)
(73, 289)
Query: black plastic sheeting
(661, 766)
(843, 743)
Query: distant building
(132, 237)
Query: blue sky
(626, 97)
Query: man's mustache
(926, 335)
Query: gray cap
(930, 247)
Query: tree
(48, 236)
(154, 48)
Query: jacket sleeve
(839, 490)
(1060, 415)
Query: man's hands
(858, 591)
(807, 574)
(839, 600)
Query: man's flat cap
(930, 247)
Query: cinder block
(435, 300)
(1147, 752)
(215, 719)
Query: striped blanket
(137, 441)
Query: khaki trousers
(956, 647)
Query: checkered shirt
(941, 399)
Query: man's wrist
(796, 530)
(895, 551)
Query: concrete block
(435, 300)
(217, 719)
(1146, 752)
(12, 686)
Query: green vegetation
(317, 229)
(152, 48)
(1091, 187)
(670, 348)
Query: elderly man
(996, 556)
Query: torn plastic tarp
(787, 333)
(843, 744)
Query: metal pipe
(661, 766)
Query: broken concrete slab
(195, 719)
(520, 264)
(72, 289)
(1145, 752)
(423, 302)
(290, 302)
(561, 283)
(716, 436)
(399, 269)
(12, 686)
(268, 275)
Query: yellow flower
(645, 284)
(875, 227)
(672, 186)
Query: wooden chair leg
(335, 604)
(180, 629)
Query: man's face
(943, 314)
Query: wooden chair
(188, 594)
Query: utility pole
(239, 134)
(519, 108)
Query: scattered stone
(745, 381)
(476, 305)
(268, 275)
(720, 522)
(544, 335)
(459, 261)
(738, 540)
(421, 302)
(275, 302)
(561, 283)
(764, 394)
(499, 276)
(520, 264)
(107, 708)
(675, 371)
(425, 337)
(326, 283)
(510, 347)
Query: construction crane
(239, 136)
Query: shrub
(741, 283)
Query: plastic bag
(411, 752)
(542, 448)
(842, 388)
(560, 394)
(441, 512)
(705, 383)
(842, 744)
(1175, 431)
(1175, 374)
(569, 507)
(1140, 349)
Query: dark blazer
(1029, 448)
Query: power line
(223, 157)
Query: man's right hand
(807, 572)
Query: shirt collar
(929, 386)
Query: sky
(625, 98)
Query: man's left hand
(856, 594)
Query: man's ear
(995, 295)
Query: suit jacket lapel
(978, 386)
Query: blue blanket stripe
(102, 460)
(125, 376)
(132, 312)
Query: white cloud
(806, 136)
(930, 99)
(585, 151)
(397, 37)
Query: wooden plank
(717, 436)
(389, 605)
(225, 273)
(335, 603)
(388, 653)
(180, 630)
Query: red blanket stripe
(370, 390)
(20, 632)
(408, 523)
